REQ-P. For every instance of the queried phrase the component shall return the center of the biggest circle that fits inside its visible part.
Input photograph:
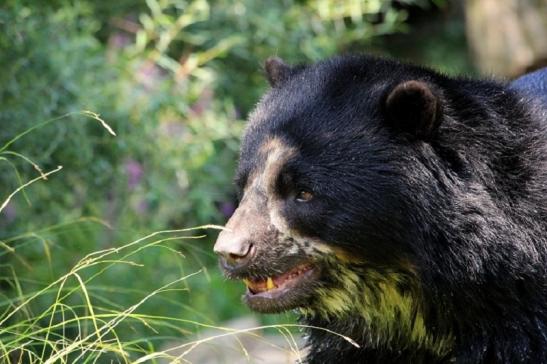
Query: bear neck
(380, 312)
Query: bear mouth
(289, 290)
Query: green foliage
(298, 31)
(173, 84)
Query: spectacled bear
(400, 207)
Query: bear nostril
(240, 259)
(235, 256)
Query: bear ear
(414, 108)
(277, 71)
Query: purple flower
(227, 209)
(134, 171)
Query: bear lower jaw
(287, 291)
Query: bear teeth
(270, 283)
(257, 286)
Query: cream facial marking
(257, 223)
(261, 185)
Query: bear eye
(303, 196)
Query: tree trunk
(507, 37)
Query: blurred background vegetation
(175, 79)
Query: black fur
(458, 188)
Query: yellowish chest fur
(393, 316)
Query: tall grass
(82, 325)
(75, 318)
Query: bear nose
(236, 251)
